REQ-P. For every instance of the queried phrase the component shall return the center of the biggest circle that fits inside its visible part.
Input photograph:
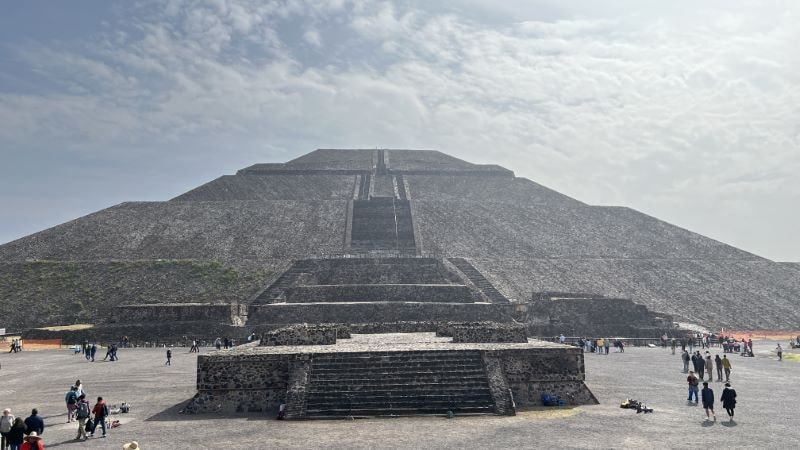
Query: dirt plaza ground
(766, 414)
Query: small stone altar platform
(391, 374)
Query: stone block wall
(231, 313)
(557, 371)
(444, 293)
(489, 332)
(301, 335)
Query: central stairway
(398, 384)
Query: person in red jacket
(100, 412)
(32, 442)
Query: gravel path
(768, 392)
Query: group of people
(706, 365)
(19, 434)
(601, 346)
(16, 346)
(728, 397)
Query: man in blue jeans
(693, 383)
(100, 412)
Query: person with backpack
(71, 399)
(100, 412)
(82, 412)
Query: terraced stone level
(398, 383)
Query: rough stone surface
(489, 332)
(301, 335)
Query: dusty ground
(768, 394)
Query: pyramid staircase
(397, 384)
(478, 280)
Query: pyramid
(237, 238)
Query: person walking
(100, 412)
(672, 344)
(692, 381)
(708, 401)
(169, 357)
(82, 412)
(779, 351)
(93, 351)
(16, 434)
(34, 423)
(71, 399)
(6, 422)
(718, 365)
(607, 345)
(728, 400)
(709, 367)
(726, 365)
(686, 358)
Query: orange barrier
(763, 334)
(33, 344)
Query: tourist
(79, 388)
(114, 349)
(93, 351)
(169, 357)
(607, 343)
(718, 364)
(779, 351)
(672, 345)
(664, 340)
(16, 435)
(32, 442)
(690, 341)
(683, 345)
(621, 347)
(133, 445)
(693, 382)
(728, 400)
(108, 353)
(100, 412)
(218, 343)
(709, 367)
(71, 400)
(82, 412)
(686, 358)
(708, 401)
(600, 346)
(34, 423)
(726, 364)
(6, 421)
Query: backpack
(105, 410)
(83, 410)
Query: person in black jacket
(17, 433)
(707, 394)
(728, 399)
(34, 423)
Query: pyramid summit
(266, 236)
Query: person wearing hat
(728, 399)
(32, 442)
(133, 445)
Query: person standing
(607, 343)
(79, 388)
(779, 351)
(600, 345)
(672, 345)
(82, 412)
(685, 357)
(701, 365)
(692, 381)
(100, 412)
(709, 367)
(708, 401)
(169, 357)
(718, 364)
(34, 423)
(93, 351)
(71, 400)
(16, 434)
(728, 400)
(726, 364)
(6, 422)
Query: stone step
(400, 369)
(325, 413)
(400, 390)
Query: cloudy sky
(688, 111)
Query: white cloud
(647, 108)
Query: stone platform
(389, 374)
